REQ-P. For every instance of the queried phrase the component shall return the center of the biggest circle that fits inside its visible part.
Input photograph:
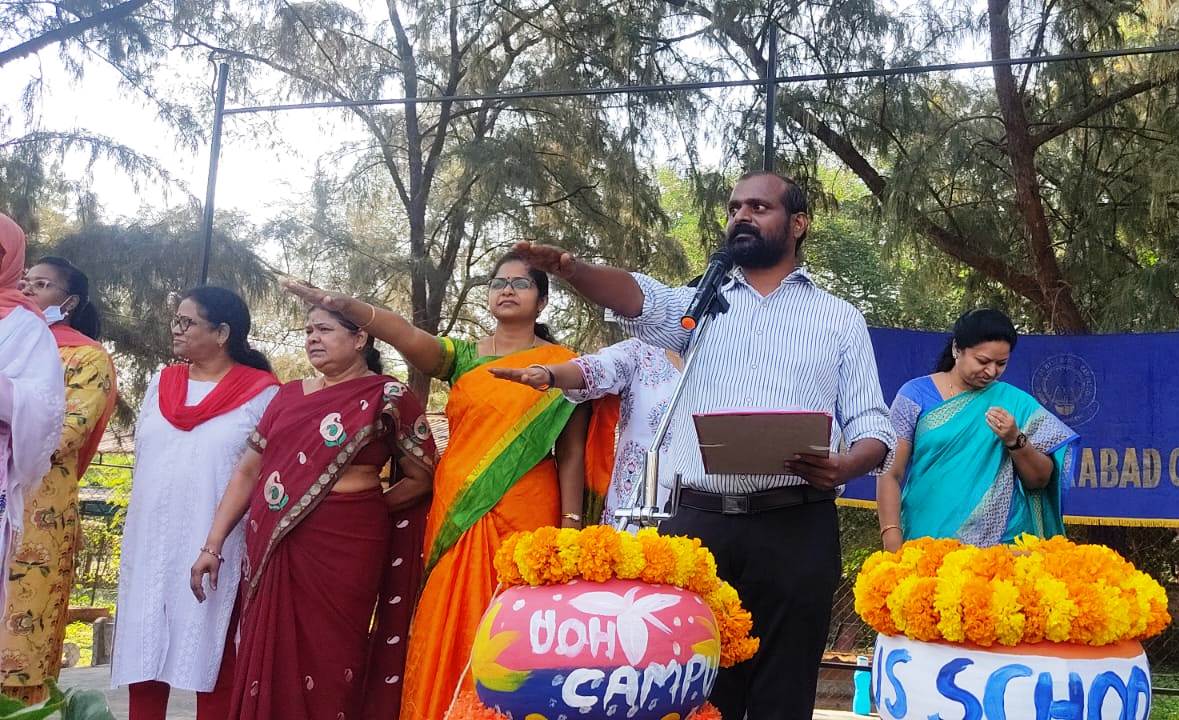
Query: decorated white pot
(918, 680)
(621, 649)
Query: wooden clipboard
(759, 442)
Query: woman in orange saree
(515, 461)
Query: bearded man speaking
(784, 343)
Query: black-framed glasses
(517, 283)
(181, 323)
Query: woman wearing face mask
(32, 395)
(515, 461)
(977, 459)
(193, 426)
(42, 569)
(320, 535)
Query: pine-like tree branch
(70, 30)
(1057, 129)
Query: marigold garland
(468, 706)
(548, 556)
(1032, 591)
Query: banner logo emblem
(1066, 385)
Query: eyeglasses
(39, 284)
(517, 283)
(181, 323)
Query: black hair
(974, 328)
(372, 356)
(85, 317)
(225, 307)
(541, 279)
(793, 199)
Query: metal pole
(649, 512)
(771, 98)
(214, 158)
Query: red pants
(149, 699)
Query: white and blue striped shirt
(799, 347)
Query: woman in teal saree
(977, 459)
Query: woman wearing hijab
(42, 569)
(32, 396)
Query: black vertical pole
(771, 98)
(214, 158)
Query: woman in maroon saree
(332, 562)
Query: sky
(253, 177)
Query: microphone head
(688, 322)
(721, 257)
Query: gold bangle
(549, 385)
(371, 319)
(214, 553)
(574, 517)
(886, 528)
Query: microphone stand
(649, 513)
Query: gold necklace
(495, 351)
(954, 389)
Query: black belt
(757, 502)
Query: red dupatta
(307, 441)
(66, 336)
(240, 385)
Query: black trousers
(786, 566)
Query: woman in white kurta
(32, 392)
(192, 430)
(643, 376)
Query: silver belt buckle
(734, 504)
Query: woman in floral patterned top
(643, 376)
(42, 568)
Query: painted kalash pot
(1037, 629)
(597, 624)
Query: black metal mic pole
(768, 155)
(649, 513)
(214, 158)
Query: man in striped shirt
(783, 344)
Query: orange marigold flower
(706, 712)
(468, 706)
(541, 557)
(505, 561)
(659, 555)
(921, 616)
(600, 549)
(977, 622)
(935, 552)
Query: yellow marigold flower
(568, 559)
(1007, 613)
(631, 560)
(896, 600)
(1030, 591)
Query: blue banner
(1119, 392)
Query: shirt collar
(799, 276)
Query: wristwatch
(1020, 442)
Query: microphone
(718, 267)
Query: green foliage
(70, 705)
(81, 635)
(96, 572)
(136, 267)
